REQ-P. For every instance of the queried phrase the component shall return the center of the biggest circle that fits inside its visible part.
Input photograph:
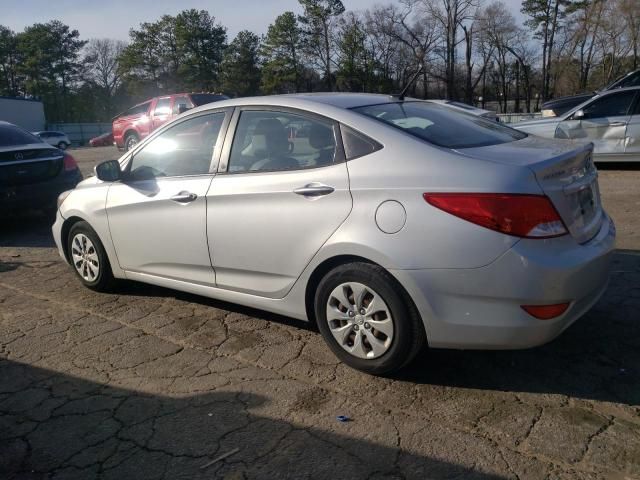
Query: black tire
(130, 141)
(104, 281)
(62, 145)
(409, 335)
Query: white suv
(57, 139)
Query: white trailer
(24, 112)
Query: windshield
(11, 135)
(203, 98)
(440, 125)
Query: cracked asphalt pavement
(148, 383)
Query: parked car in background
(480, 112)
(103, 140)
(390, 223)
(559, 106)
(139, 121)
(610, 120)
(57, 139)
(32, 173)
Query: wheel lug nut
(362, 311)
(366, 325)
(351, 313)
(356, 328)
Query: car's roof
(342, 101)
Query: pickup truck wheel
(130, 141)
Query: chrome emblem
(19, 156)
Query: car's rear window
(10, 135)
(440, 125)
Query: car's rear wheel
(62, 145)
(130, 141)
(88, 258)
(366, 318)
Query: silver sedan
(391, 223)
(611, 120)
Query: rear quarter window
(441, 125)
(356, 144)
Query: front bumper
(42, 195)
(56, 230)
(480, 308)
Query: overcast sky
(114, 18)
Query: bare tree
(102, 64)
(452, 15)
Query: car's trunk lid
(565, 172)
(24, 164)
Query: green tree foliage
(318, 22)
(281, 51)
(355, 58)
(240, 66)
(8, 62)
(176, 53)
(49, 64)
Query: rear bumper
(41, 195)
(481, 308)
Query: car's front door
(632, 146)
(281, 191)
(161, 112)
(157, 214)
(603, 122)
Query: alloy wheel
(85, 257)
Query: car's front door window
(185, 149)
(276, 141)
(614, 105)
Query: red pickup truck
(136, 123)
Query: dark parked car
(559, 106)
(32, 172)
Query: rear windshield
(203, 98)
(440, 125)
(10, 135)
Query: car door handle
(314, 189)
(618, 124)
(184, 197)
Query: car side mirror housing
(182, 108)
(108, 171)
(578, 115)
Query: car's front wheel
(130, 141)
(367, 320)
(88, 258)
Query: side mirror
(578, 115)
(182, 108)
(108, 171)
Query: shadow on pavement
(55, 426)
(28, 229)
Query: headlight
(62, 197)
(548, 113)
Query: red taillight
(530, 216)
(69, 162)
(546, 312)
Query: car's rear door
(632, 144)
(161, 112)
(157, 214)
(276, 199)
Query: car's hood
(540, 121)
